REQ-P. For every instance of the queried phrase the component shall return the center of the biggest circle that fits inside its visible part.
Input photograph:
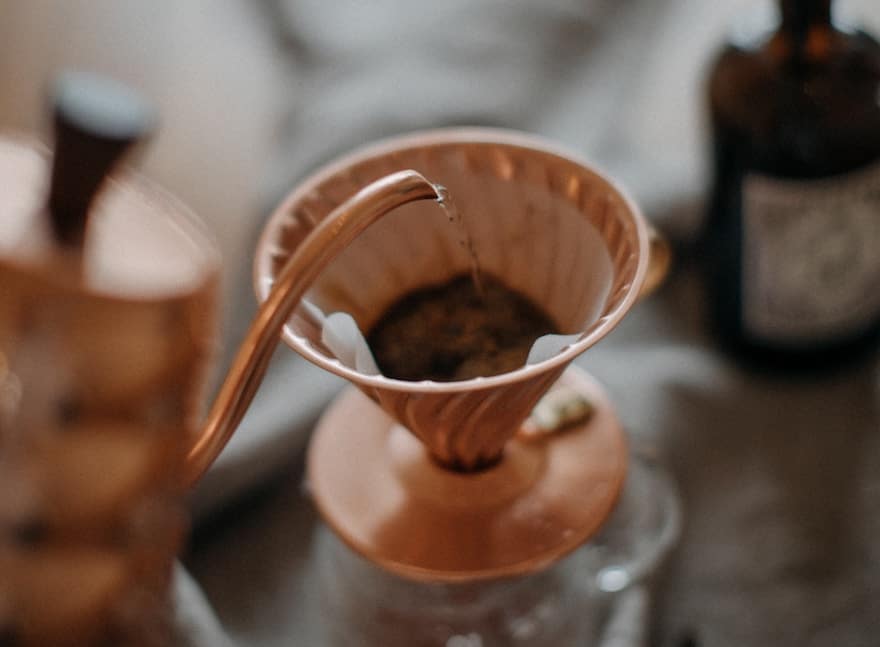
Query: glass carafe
(567, 603)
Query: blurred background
(211, 68)
(253, 94)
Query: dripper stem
(323, 244)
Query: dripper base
(382, 494)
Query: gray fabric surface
(779, 475)
(195, 623)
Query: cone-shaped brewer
(543, 224)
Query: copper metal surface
(548, 225)
(333, 235)
(544, 222)
(382, 494)
(101, 382)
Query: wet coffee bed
(453, 331)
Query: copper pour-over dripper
(546, 225)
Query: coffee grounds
(451, 332)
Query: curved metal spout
(323, 244)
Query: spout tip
(414, 185)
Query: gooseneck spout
(323, 244)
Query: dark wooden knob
(96, 120)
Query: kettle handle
(333, 234)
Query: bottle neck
(799, 17)
(806, 29)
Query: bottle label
(811, 256)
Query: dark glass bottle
(792, 237)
